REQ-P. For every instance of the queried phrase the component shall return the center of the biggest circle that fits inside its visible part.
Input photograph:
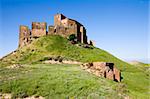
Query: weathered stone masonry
(39, 29)
(103, 69)
(24, 36)
(62, 26)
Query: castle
(65, 27)
(62, 26)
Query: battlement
(62, 26)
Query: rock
(5, 96)
(34, 97)
(70, 62)
(15, 66)
(52, 62)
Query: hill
(63, 80)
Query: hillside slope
(53, 46)
(135, 82)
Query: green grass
(53, 79)
(48, 46)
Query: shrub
(72, 37)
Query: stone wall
(51, 30)
(103, 69)
(39, 29)
(117, 74)
(24, 36)
(65, 27)
(58, 18)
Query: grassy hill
(55, 81)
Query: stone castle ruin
(103, 69)
(62, 26)
(65, 27)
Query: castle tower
(58, 18)
(39, 29)
(24, 35)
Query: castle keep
(62, 26)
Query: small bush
(72, 37)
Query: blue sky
(117, 26)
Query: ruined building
(62, 26)
(65, 27)
(103, 69)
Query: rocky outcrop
(103, 69)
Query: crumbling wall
(64, 22)
(84, 36)
(58, 18)
(117, 74)
(81, 33)
(103, 69)
(51, 30)
(24, 36)
(39, 29)
(72, 27)
(64, 26)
